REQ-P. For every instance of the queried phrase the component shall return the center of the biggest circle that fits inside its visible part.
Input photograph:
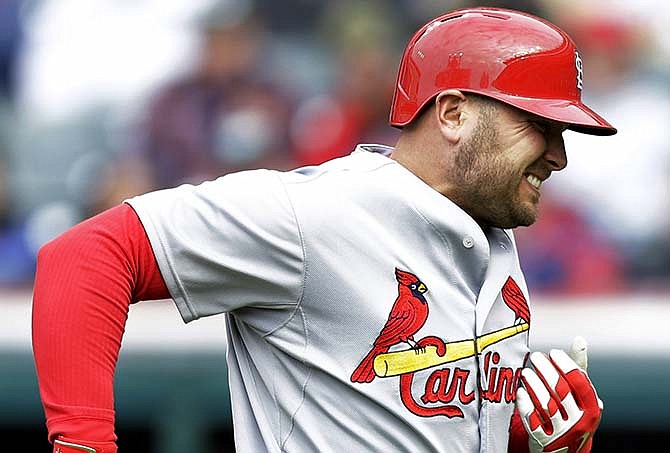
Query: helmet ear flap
(405, 103)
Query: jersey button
(468, 242)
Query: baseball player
(372, 303)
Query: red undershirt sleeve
(85, 281)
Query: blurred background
(101, 100)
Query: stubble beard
(488, 183)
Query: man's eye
(542, 127)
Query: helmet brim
(576, 115)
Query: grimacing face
(500, 166)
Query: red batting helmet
(507, 55)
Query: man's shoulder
(366, 179)
(364, 159)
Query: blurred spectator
(120, 179)
(623, 182)
(11, 36)
(226, 115)
(17, 260)
(562, 254)
(364, 38)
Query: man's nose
(555, 154)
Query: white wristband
(71, 445)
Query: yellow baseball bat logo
(411, 360)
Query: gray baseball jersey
(364, 310)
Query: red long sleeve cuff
(85, 282)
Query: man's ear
(450, 114)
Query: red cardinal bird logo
(516, 301)
(408, 315)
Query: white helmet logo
(580, 70)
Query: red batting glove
(65, 445)
(558, 405)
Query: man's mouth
(534, 181)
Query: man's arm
(85, 281)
